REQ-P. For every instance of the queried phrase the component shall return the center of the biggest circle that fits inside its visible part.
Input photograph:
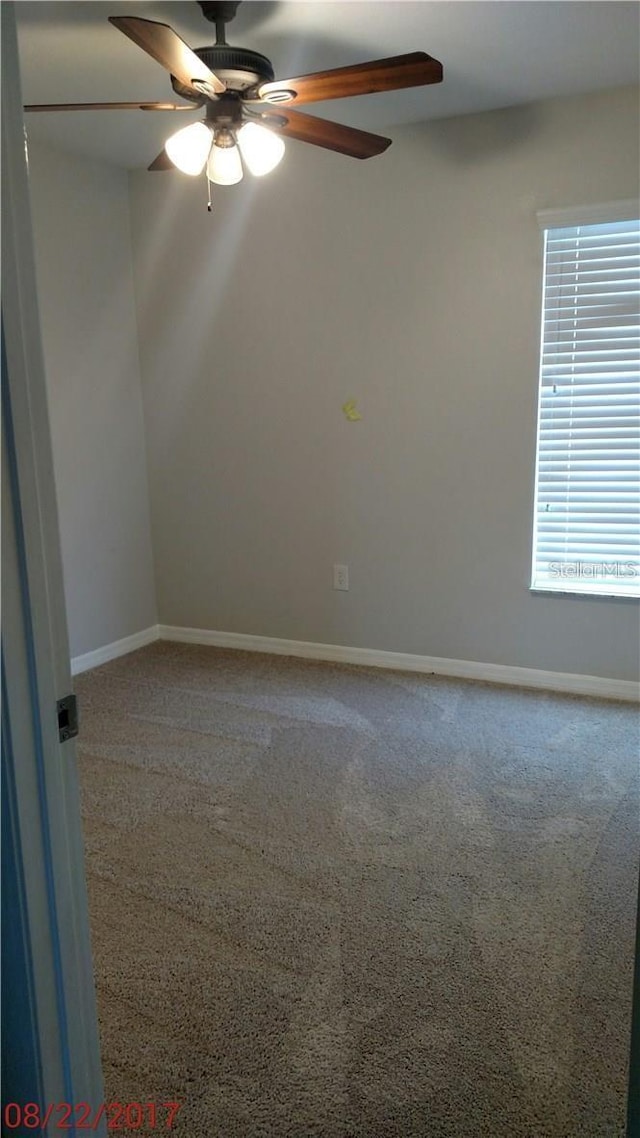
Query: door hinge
(67, 718)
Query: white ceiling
(495, 53)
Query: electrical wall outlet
(341, 577)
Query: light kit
(224, 152)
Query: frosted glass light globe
(189, 147)
(261, 149)
(225, 165)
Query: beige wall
(83, 260)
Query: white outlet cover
(341, 577)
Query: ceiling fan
(247, 110)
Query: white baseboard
(405, 662)
(112, 651)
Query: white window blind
(587, 523)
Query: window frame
(598, 214)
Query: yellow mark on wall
(350, 411)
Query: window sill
(582, 595)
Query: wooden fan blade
(110, 107)
(168, 49)
(322, 132)
(391, 74)
(162, 162)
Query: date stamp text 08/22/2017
(120, 1116)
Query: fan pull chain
(209, 206)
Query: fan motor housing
(238, 67)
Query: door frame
(47, 959)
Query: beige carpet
(347, 903)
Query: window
(587, 501)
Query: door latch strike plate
(67, 718)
